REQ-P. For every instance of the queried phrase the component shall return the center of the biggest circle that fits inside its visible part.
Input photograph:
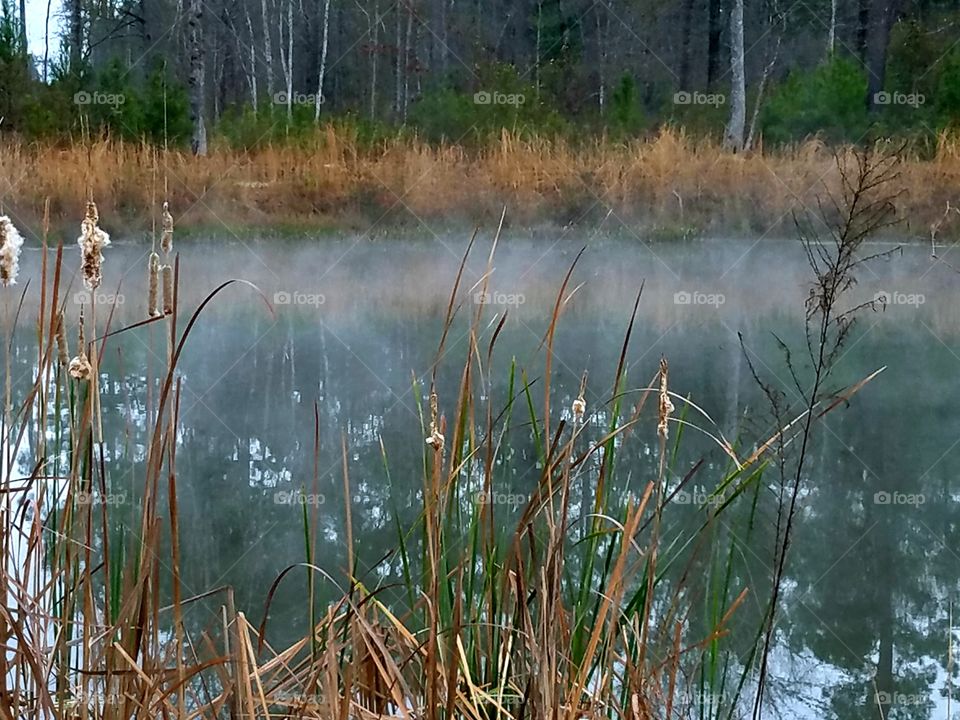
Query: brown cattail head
(166, 239)
(153, 297)
(435, 439)
(80, 367)
(63, 351)
(167, 273)
(10, 244)
(579, 406)
(92, 240)
(666, 407)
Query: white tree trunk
(290, 60)
(832, 34)
(318, 100)
(267, 48)
(252, 72)
(197, 77)
(286, 58)
(374, 52)
(733, 138)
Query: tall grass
(594, 596)
(670, 182)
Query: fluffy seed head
(10, 244)
(166, 239)
(92, 240)
(666, 407)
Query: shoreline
(670, 187)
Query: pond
(272, 399)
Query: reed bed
(667, 181)
(579, 605)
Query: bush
(830, 100)
(502, 101)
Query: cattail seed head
(666, 406)
(80, 367)
(153, 297)
(10, 244)
(167, 273)
(435, 439)
(63, 352)
(92, 240)
(166, 239)
(579, 406)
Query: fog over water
(354, 322)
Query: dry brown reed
(664, 180)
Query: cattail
(167, 272)
(92, 240)
(579, 406)
(166, 239)
(435, 439)
(63, 351)
(80, 367)
(153, 301)
(10, 244)
(666, 407)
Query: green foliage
(830, 101)
(14, 71)
(626, 113)
(947, 100)
(165, 108)
(504, 100)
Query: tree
(733, 138)
(198, 142)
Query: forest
(243, 73)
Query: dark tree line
(615, 65)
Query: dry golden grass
(671, 180)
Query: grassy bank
(667, 186)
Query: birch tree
(286, 58)
(733, 138)
(197, 85)
(267, 48)
(322, 70)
